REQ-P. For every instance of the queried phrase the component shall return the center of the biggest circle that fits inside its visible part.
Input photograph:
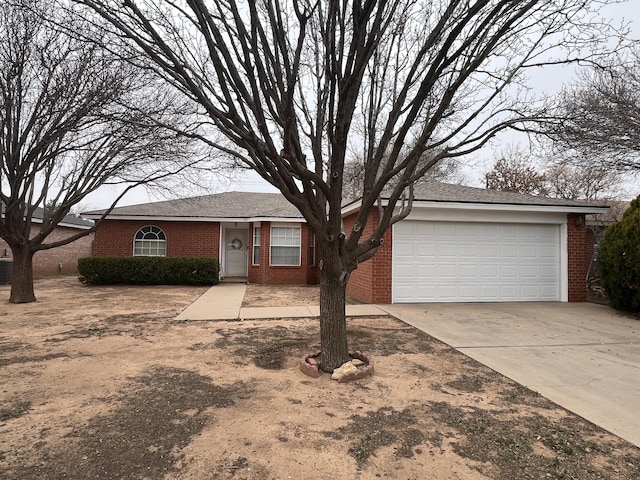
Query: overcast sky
(473, 167)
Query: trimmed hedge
(619, 260)
(149, 270)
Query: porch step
(234, 280)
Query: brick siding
(371, 281)
(264, 273)
(59, 260)
(577, 262)
(114, 238)
(202, 239)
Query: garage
(466, 244)
(440, 261)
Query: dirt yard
(102, 383)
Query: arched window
(150, 241)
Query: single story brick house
(257, 236)
(459, 244)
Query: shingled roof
(229, 205)
(239, 206)
(445, 192)
(69, 221)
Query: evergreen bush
(149, 270)
(619, 260)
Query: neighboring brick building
(459, 244)
(59, 260)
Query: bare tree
(565, 177)
(301, 87)
(599, 116)
(447, 171)
(514, 171)
(586, 181)
(72, 119)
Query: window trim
(257, 230)
(158, 241)
(295, 226)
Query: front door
(236, 253)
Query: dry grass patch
(110, 386)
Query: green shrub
(619, 260)
(149, 270)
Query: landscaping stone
(359, 373)
(343, 370)
(358, 367)
(309, 365)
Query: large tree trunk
(333, 320)
(22, 275)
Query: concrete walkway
(582, 356)
(220, 302)
(224, 302)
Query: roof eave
(512, 207)
(75, 225)
(65, 224)
(158, 218)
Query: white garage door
(475, 262)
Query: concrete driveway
(582, 356)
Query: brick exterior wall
(200, 239)
(264, 273)
(371, 281)
(59, 260)
(114, 238)
(577, 262)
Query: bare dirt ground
(102, 383)
(278, 295)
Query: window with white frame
(256, 246)
(150, 241)
(285, 245)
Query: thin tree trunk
(22, 275)
(333, 320)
